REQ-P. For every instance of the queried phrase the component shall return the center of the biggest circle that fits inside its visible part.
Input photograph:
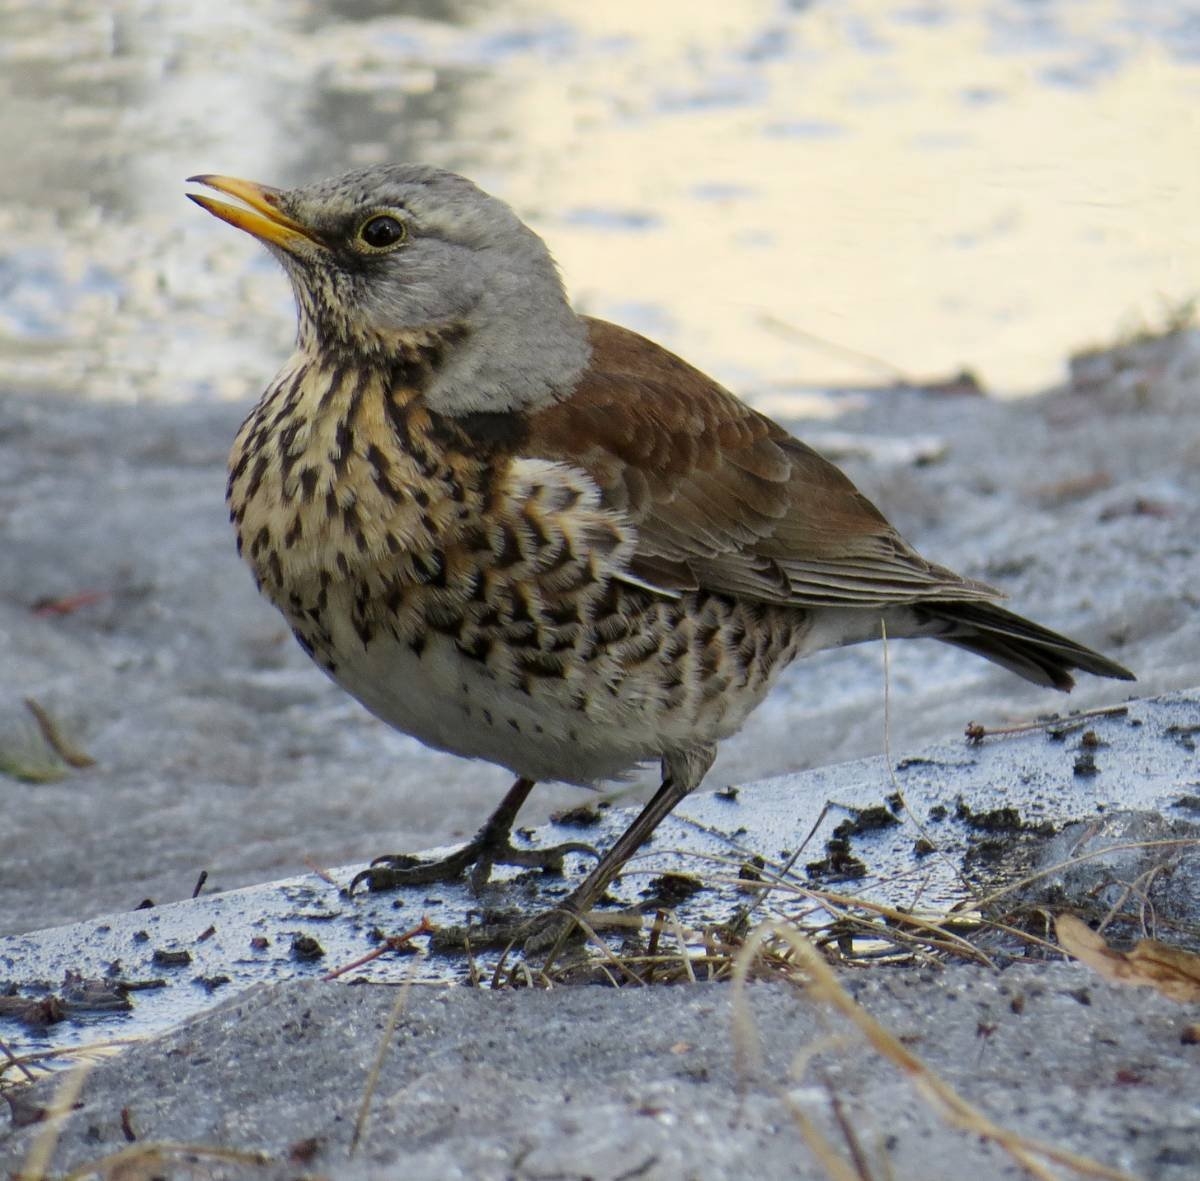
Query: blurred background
(804, 199)
(788, 193)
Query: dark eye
(382, 230)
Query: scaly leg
(491, 845)
(682, 773)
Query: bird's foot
(545, 931)
(478, 855)
(540, 938)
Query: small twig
(847, 1129)
(323, 874)
(17, 1062)
(390, 943)
(976, 733)
(69, 754)
(677, 930)
(157, 1153)
(1120, 847)
(785, 329)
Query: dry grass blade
(13, 1060)
(975, 733)
(71, 755)
(90, 1052)
(143, 1162)
(385, 1041)
(820, 981)
(1071, 862)
(607, 952)
(822, 1147)
(60, 1107)
(1170, 970)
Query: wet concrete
(934, 833)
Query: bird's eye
(382, 231)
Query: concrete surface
(644, 1083)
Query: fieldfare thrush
(533, 537)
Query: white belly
(454, 704)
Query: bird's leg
(490, 846)
(682, 773)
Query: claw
(395, 870)
(547, 930)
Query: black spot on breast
(429, 568)
(475, 539)
(239, 468)
(256, 476)
(520, 605)
(344, 443)
(474, 585)
(447, 625)
(337, 376)
(540, 537)
(393, 596)
(283, 442)
(366, 632)
(308, 482)
(381, 473)
(261, 539)
(564, 612)
(561, 555)
(540, 664)
(476, 648)
(509, 553)
(397, 415)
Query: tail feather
(1023, 647)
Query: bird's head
(400, 257)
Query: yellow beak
(263, 219)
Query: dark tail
(1035, 653)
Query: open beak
(263, 219)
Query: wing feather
(722, 497)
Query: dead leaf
(1151, 964)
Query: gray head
(385, 260)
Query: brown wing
(724, 498)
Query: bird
(529, 536)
